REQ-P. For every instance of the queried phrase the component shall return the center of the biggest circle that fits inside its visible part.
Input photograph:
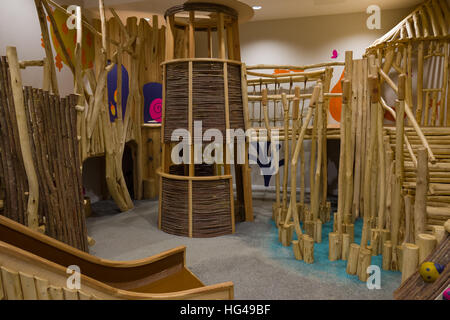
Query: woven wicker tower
(196, 198)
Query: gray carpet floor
(252, 257)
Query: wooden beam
(25, 142)
(170, 38)
(221, 36)
(191, 34)
(47, 45)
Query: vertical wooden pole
(348, 153)
(410, 260)
(47, 45)
(230, 49)
(191, 147)
(292, 210)
(399, 163)
(427, 243)
(210, 44)
(170, 38)
(286, 150)
(326, 89)
(374, 98)
(236, 41)
(228, 154)
(419, 82)
(315, 199)
(382, 167)
(25, 142)
(46, 82)
(409, 74)
(248, 201)
(420, 206)
(228, 143)
(221, 36)
(445, 78)
(350, 73)
(408, 219)
(191, 34)
(295, 156)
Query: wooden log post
(286, 231)
(385, 235)
(25, 142)
(345, 246)
(374, 241)
(439, 233)
(447, 226)
(293, 209)
(348, 153)
(334, 246)
(374, 99)
(294, 162)
(352, 262)
(310, 228)
(410, 260)
(350, 230)
(420, 206)
(387, 255)
(342, 179)
(382, 169)
(426, 243)
(297, 248)
(308, 249)
(399, 255)
(47, 45)
(389, 184)
(399, 170)
(409, 234)
(419, 90)
(286, 150)
(315, 196)
(364, 261)
(318, 231)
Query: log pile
(51, 126)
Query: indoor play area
(225, 149)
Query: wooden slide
(34, 266)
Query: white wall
(19, 27)
(311, 40)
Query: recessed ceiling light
(257, 7)
(148, 19)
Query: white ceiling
(271, 9)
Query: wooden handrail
(419, 132)
(284, 75)
(408, 144)
(409, 115)
(293, 67)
